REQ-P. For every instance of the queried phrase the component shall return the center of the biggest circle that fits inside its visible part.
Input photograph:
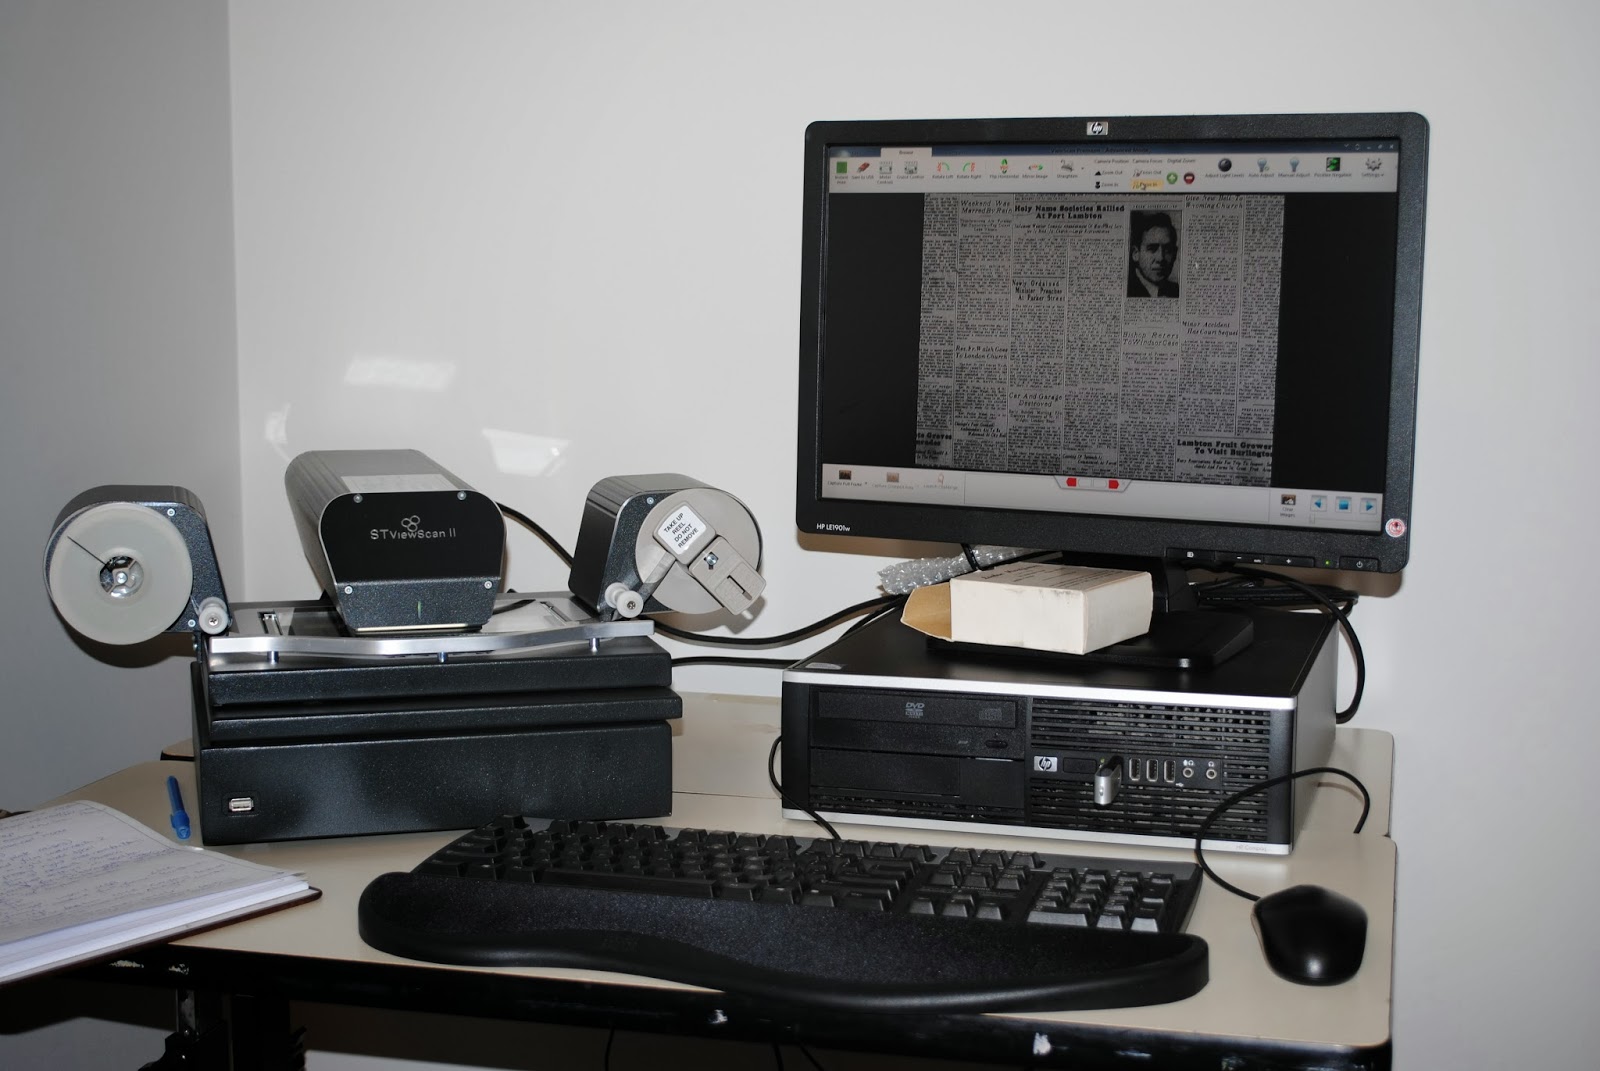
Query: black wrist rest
(820, 957)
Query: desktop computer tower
(885, 726)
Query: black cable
(611, 1036)
(733, 660)
(528, 523)
(772, 775)
(1271, 782)
(777, 1055)
(787, 637)
(1339, 615)
(868, 619)
(731, 641)
(1248, 590)
(972, 558)
(807, 1054)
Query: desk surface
(721, 782)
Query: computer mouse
(1311, 935)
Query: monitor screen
(1191, 339)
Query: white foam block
(1048, 607)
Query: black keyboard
(864, 925)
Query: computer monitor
(1188, 341)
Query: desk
(1245, 1017)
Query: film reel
(122, 572)
(689, 519)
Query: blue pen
(180, 817)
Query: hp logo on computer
(1046, 763)
(1097, 128)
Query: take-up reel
(126, 563)
(665, 543)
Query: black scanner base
(334, 788)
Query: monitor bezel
(1194, 543)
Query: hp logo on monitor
(1097, 128)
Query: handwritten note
(81, 878)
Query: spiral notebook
(81, 882)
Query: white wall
(118, 355)
(418, 265)
(117, 343)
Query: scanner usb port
(241, 805)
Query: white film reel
(696, 511)
(119, 573)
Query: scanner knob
(627, 602)
(213, 617)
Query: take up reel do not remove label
(125, 564)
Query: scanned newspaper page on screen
(1075, 334)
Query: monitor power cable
(1316, 595)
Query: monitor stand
(1182, 635)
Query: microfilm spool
(693, 511)
(119, 573)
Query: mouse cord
(772, 775)
(1271, 782)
